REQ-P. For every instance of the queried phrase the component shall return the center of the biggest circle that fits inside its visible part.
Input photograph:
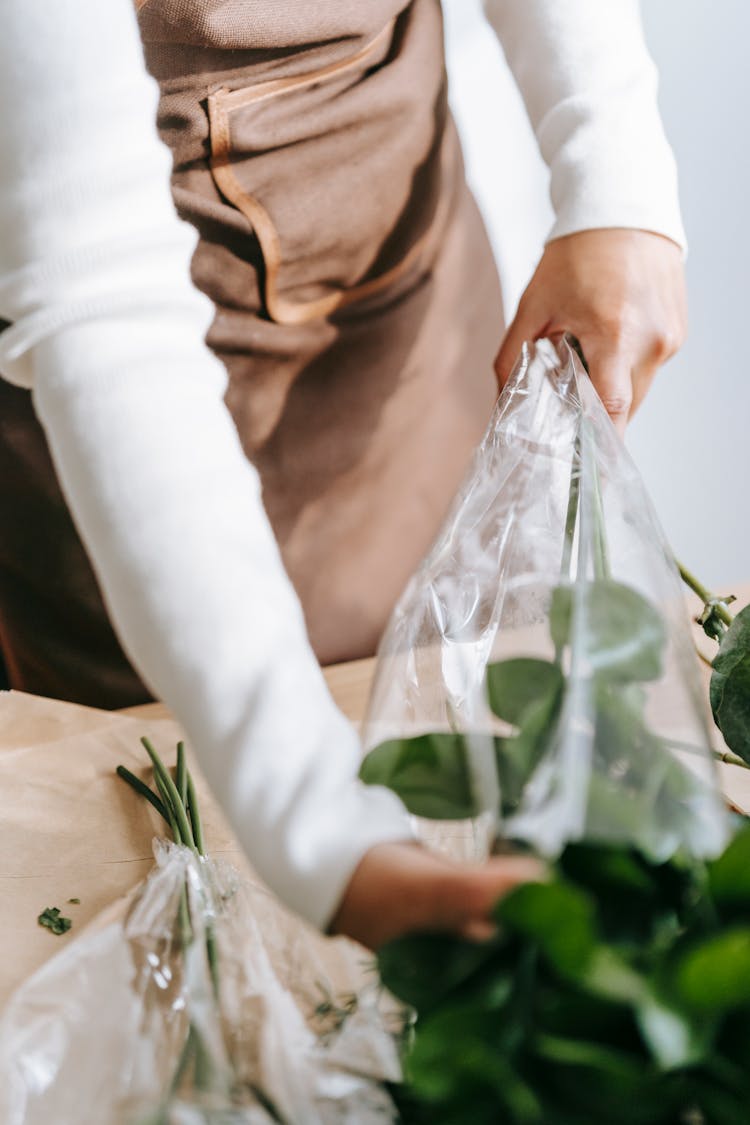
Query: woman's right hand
(401, 888)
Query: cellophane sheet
(538, 680)
(133, 1023)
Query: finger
(642, 379)
(479, 929)
(611, 374)
(468, 899)
(525, 325)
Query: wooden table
(349, 685)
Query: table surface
(349, 685)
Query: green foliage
(617, 993)
(730, 685)
(729, 878)
(558, 918)
(638, 789)
(527, 694)
(516, 686)
(429, 772)
(618, 633)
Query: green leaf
(608, 870)
(673, 1037)
(609, 975)
(428, 772)
(729, 875)
(730, 685)
(518, 757)
(424, 969)
(715, 974)
(574, 1052)
(623, 634)
(559, 917)
(639, 790)
(455, 1059)
(599, 1083)
(513, 686)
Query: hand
(402, 888)
(622, 294)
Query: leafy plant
(729, 691)
(618, 992)
(609, 642)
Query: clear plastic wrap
(123, 1027)
(537, 680)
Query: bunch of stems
(176, 802)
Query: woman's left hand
(621, 293)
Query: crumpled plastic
(537, 680)
(125, 1024)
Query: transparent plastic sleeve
(537, 680)
(133, 1025)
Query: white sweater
(107, 332)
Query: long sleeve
(107, 332)
(590, 86)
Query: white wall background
(691, 439)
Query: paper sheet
(70, 828)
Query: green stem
(162, 774)
(730, 759)
(181, 781)
(182, 1065)
(178, 804)
(143, 789)
(571, 516)
(186, 929)
(172, 819)
(704, 594)
(602, 567)
(195, 819)
(195, 816)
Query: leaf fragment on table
(52, 920)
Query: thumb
(524, 326)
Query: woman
(357, 312)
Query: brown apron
(358, 312)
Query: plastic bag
(124, 1026)
(537, 678)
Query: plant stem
(571, 516)
(141, 787)
(178, 805)
(730, 759)
(184, 1062)
(704, 594)
(174, 826)
(181, 781)
(601, 554)
(162, 774)
(195, 817)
